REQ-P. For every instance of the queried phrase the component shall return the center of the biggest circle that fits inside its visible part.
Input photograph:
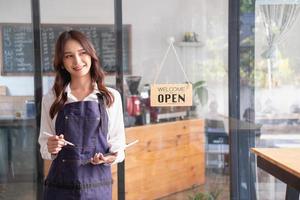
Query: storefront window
(182, 151)
(18, 168)
(97, 23)
(276, 83)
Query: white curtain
(278, 18)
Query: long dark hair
(63, 77)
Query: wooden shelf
(189, 44)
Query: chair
(217, 147)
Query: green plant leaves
(201, 196)
(201, 92)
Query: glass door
(18, 133)
(276, 83)
(96, 20)
(183, 152)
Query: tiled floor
(216, 182)
(17, 191)
(267, 189)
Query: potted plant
(200, 97)
(212, 195)
(201, 196)
(200, 91)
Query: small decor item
(162, 95)
(190, 37)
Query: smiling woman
(82, 110)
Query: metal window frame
(120, 84)
(240, 137)
(38, 91)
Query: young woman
(80, 109)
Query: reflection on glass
(180, 133)
(17, 142)
(276, 83)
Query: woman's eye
(83, 53)
(68, 56)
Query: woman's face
(76, 60)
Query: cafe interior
(239, 56)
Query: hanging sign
(163, 95)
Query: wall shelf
(189, 44)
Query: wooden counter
(168, 158)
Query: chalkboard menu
(17, 46)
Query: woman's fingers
(56, 141)
(110, 158)
(55, 144)
(55, 150)
(96, 160)
(99, 158)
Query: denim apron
(71, 175)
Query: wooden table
(284, 164)
(290, 118)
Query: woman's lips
(78, 68)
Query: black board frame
(98, 27)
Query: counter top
(6, 121)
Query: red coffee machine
(133, 100)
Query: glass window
(183, 151)
(18, 169)
(276, 83)
(96, 20)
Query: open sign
(171, 95)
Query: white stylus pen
(67, 142)
(126, 146)
(131, 143)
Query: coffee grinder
(133, 104)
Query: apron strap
(103, 114)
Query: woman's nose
(77, 59)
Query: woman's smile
(78, 67)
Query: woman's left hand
(99, 158)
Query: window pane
(276, 83)
(96, 20)
(183, 151)
(17, 109)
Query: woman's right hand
(55, 144)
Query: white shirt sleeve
(46, 125)
(116, 130)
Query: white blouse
(116, 131)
